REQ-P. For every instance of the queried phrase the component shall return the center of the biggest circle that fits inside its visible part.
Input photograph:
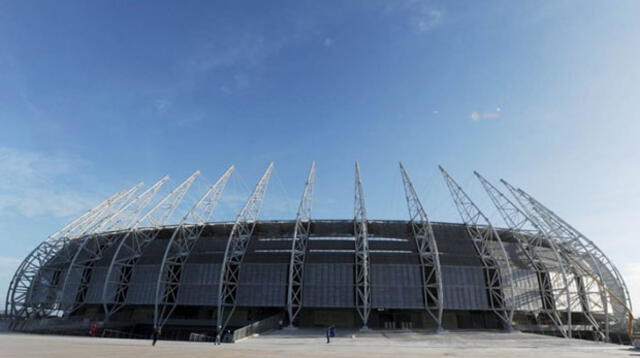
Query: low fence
(262, 326)
(114, 333)
(199, 337)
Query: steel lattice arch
(124, 265)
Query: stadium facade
(123, 265)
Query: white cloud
(426, 19)
(161, 105)
(29, 184)
(475, 115)
(421, 15)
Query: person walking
(155, 335)
(328, 334)
(93, 330)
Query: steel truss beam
(132, 244)
(179, 248)
(362, 262)
(30, 274)
(532, 241)
(301, 234)
(427, 250)
(606, 274)
(235, 250)
(93, 245)
(488, 244)
(54, 305)
(565, 261)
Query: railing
(114, 333)
(258, 327)
(199, 337)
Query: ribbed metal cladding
(328, 271)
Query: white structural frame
(422, 233)
(362, 261)
(235, 251)
(497, 266)
(131, 246)
(29, 274)
(92, 246)
(299, 243)
(606, 274)
(532, 241)
(567, 262)
(179, 249)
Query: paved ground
(312, 344)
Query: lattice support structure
(70, 254)
(235, 251)
(362, 262)
(533, 242)
(427, 247)
(578, 272)
(601, 269)
(179, 248)
(301, 234)
(30, 274)
(92, 246)
(131, 246)
(491, 251)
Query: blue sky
(95, 96)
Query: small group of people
(330, 332)
(226, 337)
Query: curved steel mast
(179, 248)
(427, 250)
(235, 250)
(299, 243)
(131, 246)
(570, 240)
(30, 275)
(362, 262)
(532, 241)
(92, 247)
(491, 251)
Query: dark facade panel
(328, 285)
(464, 288)
(73, 283)
(455, 246)
(94, 292)
(263, 285)
(142, 290)
(396, 286)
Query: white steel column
(362, 263)
(144, 230)
(92, 246)
(301, 234)
(179, 248)
(427, 250)
(236, 249)
(491, 251)
(29, 273)
(601, 270)
(532, 242)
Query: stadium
(123, 268)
